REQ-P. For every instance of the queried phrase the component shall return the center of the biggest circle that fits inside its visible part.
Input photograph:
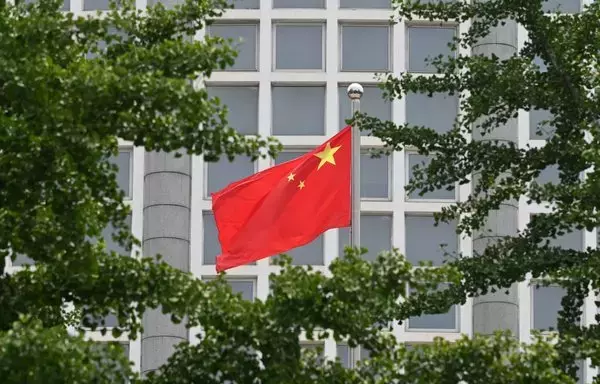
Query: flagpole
(355, 91)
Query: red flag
(285, 206)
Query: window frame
(205, 192)
(390, 46)
(240, 278)
(216, 84)
(457, 324)
(430, 25)
(274, 84)
(308, 23)
(407, 197)
(241, 23)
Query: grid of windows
(295, 89)
(289, 80)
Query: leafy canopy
(62, 112)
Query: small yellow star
(326, 155)
(291, 177)
(301, 185)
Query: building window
(427, 242)
(65, 7)
(546, 305)
(224, 172)
(349, 357)
(111, 244)
(298, 4)
(419, 107)
(212, 246)
(568, 241)
(299, 47)
(375, 235)
(439, 194)
(244, 287)
(365, 48)
(563, 6)
(287, 155)
(445, 322)
(94, 5)
(298, 110)
(124, 164)
(242, 105)
(549, 175)
(22, 260)
(245, 40)
(245, 4)
(374, 177)
(425, 43)
(371, 103)
(314, 346)
(309, 254)
(363, 4)
(540, 127)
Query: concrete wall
(498, 311)
(167, 192)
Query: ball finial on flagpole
(355, 91)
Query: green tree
(62, 113)
(555, 71)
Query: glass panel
(365, 48)
(424, 241)
(298, 110)
(284, 156)
(242, 104)
(419, 107)
(343, 352)
(564, 6)
(437, 321)
(245, 4)
(375, 235)
(93, 5)
(546, 304)
(246, 58)
(224, 172)
(385, 4)
(438, 194)
(298, 4)
(111, 245)
(371, 103)
(212, 247)
(425, 43)
(123, 162)
(299, 47)
(243, 287)
(569, 241)
(22, 260)
(374, 176)
(537, 117)
(309, 254)
(125, 349)
(314, 347)
(549, 175)
(540, 63)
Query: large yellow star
(326, 155)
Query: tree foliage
(69, 86)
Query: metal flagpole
(355, 91)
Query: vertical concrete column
(167, 194)
(499, 310)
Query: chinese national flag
(285, 206)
